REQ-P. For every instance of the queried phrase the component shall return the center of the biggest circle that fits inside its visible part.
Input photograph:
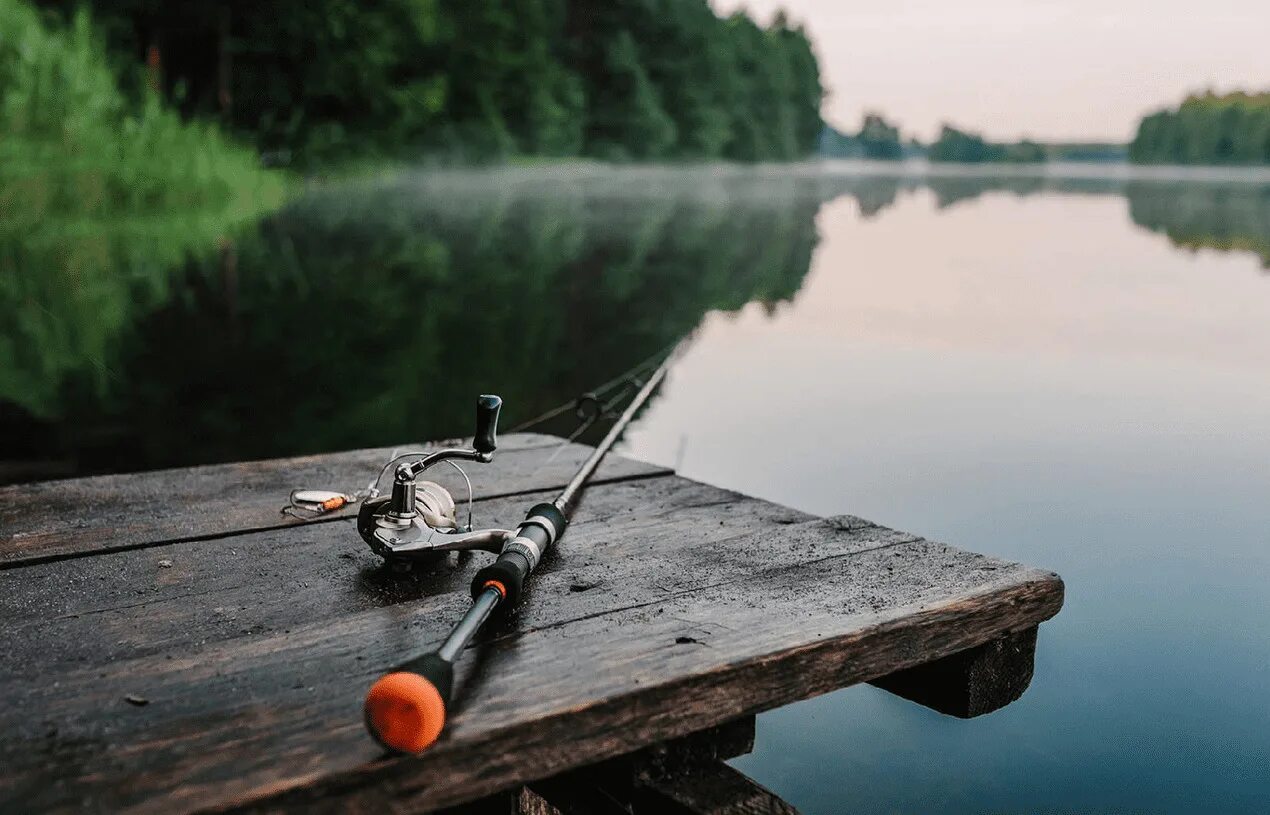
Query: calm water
(1070, 371)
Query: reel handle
(487, 409)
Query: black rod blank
(405, 709)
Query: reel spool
(418, 521)
(436, 511)
(435, 505)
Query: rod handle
(506, 574)
(405, 709)
(543, 525)
(487, 409)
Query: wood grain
(665, 640)
(161, 599)
(59, 519)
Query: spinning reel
(418, 521)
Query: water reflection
(1218, 213)
(369, 313)
(372, 313)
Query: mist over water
(1067, 368)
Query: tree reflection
(372, 313)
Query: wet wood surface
(51, 520)
(187, 659)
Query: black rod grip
(508, 573)
(543, 525)
(487, 409)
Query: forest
(1208, 128)
(326, 81)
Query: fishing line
(577, 402)
(601, 411)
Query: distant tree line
(971, 148)
(1207, 129)
(616, 79)
(1095, 152)
(879, 139)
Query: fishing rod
(405, 709)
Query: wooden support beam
(644, 781)
(973, 682)
(715, 789)
(685, 776)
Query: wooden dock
(173, 643)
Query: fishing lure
(316, 503)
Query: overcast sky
(1074, 69)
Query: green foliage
(879, 139)
(1207, 129)
(959, 146)
(628, 119)
(328, 80)
(833, 143)
(73, 145)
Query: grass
(72, 145)
(102, 196)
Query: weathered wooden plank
(171, 598)
(973, 682)
(60, 519)
(744, 625)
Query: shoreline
(911, 169)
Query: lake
(1069, 368)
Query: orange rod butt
(405, 712)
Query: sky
(1071, 70)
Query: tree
(956, 145)
(879, 139)
(1207, 129)
(628, 120)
